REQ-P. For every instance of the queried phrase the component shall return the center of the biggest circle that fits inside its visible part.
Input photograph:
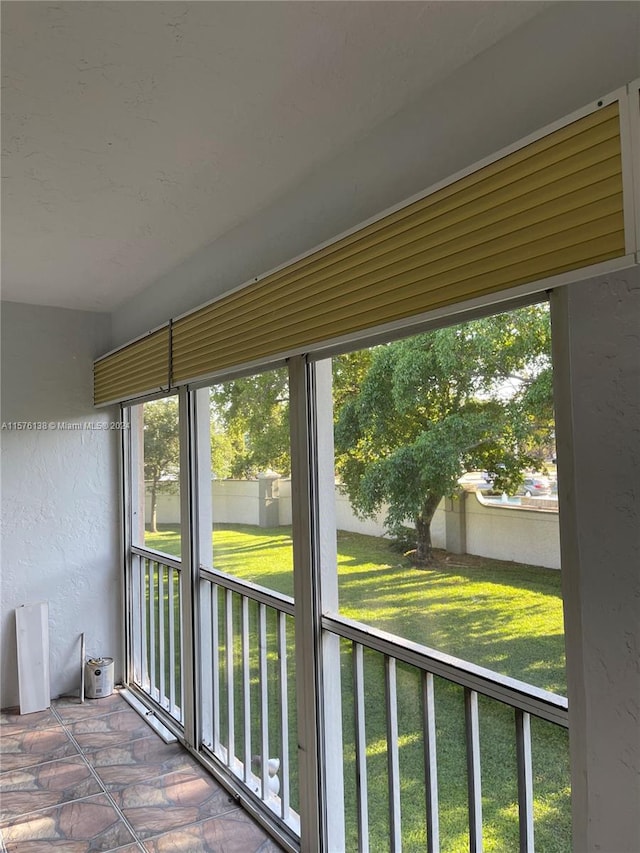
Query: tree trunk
(424, 549)
(154, 508)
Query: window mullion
(189, 558)
(317, 659)
(307, 623)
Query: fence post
(268, 499)
(455, 524)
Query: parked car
(476, 481)
(534, 486)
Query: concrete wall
(60, 540)
(238, 502)
(513, 533)
(234, 502)
(235, 499)
(167, 508)
(285, 501)
(348, 520)
(521, 534)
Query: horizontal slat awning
(552, 206)
(138, 368)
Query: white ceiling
(135, 133)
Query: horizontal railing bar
(541, 703)
(251, 590)
(157, 557)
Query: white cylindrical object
(98, 678)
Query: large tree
(250, 425)
(435, 405)
(161, 450)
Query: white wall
(233, 502)
(347, 520)
(513, 533)
(569, 55)
(236, 501)
(284, 487)
(167, 508)
(596, 345)
(60, 539)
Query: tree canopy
(161, 449)
(410, 416)
(250, 425)
(430, 407)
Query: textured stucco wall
(59, 492)
(596, 343)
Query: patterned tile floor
(95, 777)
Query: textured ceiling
(134, 133)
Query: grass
(504, 616)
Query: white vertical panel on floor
(32, 636)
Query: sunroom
(333, 733)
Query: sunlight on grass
(166, 540)
(505, 616)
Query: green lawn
(504, 616)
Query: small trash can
(98, 678)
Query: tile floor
(95, 777)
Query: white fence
(467, 524)
(520, 533)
